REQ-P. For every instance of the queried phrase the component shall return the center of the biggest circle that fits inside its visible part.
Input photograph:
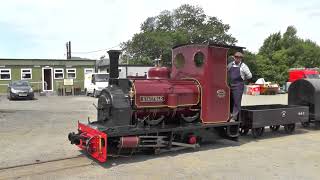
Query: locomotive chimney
(114, 64)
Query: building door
(87, 77)
(47, 79)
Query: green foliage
(189, 24)
(199, 59)
(250, 61)
(271, 44)
(179, 61)
(279, 53)
(186, 24)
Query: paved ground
(37, 130)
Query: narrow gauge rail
(43, 167)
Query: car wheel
(86, 92)
(10, 97)
(95, 94)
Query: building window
(88, 71)
(58, 73)
(5, 74)
(26, 74)
(71, 73)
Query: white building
(124, 69)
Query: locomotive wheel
(191, 118)
(257, 132)
(243, 131)
(305, 124)
(274, 128)
(154, 122)
(289, 128)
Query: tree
(250, 61)
(271, 44)
(186, 24)
(279, 53)
(289, 37)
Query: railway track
(43, 167)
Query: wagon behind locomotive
(258, 117)
(303, 106)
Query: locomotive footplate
(132, 130)
(258, 117)
(97, 139)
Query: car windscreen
(101, 77)
(20, 83)
(313, 76)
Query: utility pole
(68, 46)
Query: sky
(40, 28)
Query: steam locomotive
(173, 109)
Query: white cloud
(98, 24)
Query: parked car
(98, 82)
(20, 90)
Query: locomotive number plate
(151, 98)
(221, 93)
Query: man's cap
(238, 54)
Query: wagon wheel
(257, 132)
(243, 131)
(289, 128)
(317, 124)
(274, 128)
(305, 124)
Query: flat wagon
(256, 118)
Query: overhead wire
(88, 52)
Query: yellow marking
(100, 146)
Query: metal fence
(74, 90)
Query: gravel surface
(37, 130)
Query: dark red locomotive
(167, 110)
